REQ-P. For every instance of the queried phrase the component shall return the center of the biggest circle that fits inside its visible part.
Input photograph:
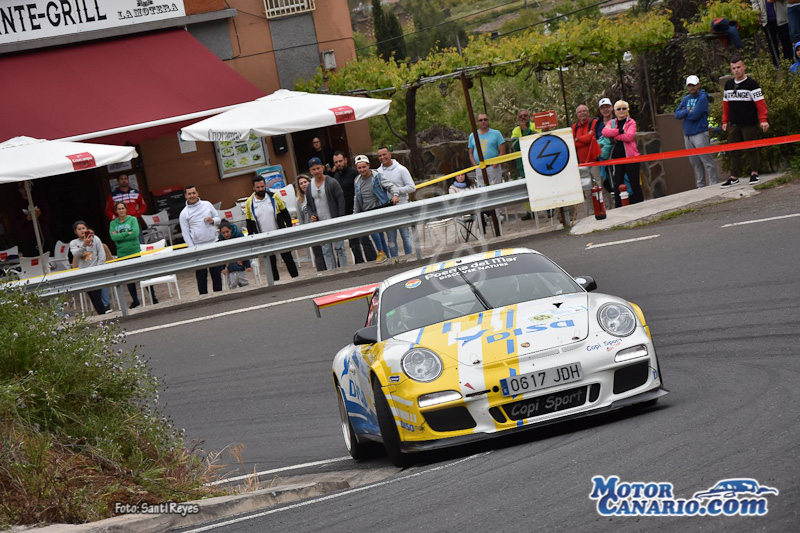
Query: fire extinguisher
(623, 195)
(598, 203)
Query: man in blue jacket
(693, 110)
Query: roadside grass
(664, 216)
(80, 425)
(787, 178)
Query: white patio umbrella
(26, 158)
(284, 112)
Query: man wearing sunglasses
(492, 145)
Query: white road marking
(274, 470)
(626, 241)
(235, 311)
(760, 220)
(332, 496)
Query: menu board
(235, 158)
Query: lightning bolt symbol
(542, 154)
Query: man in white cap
(606, 115)
(693, 110)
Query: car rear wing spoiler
(345, 296)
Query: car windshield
(470, 288)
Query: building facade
(136, 71)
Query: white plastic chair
(12, 252)
(217, 205)
(169, 280)
(157, 227)
(289, 197)
(60, 261)
(234, 215)
(30, 267)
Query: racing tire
(356, 449)
(391, 438)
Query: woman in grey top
(304, 216)
(87, 251)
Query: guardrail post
(121, 300)
(415, 239)
(267, 269)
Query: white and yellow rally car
(484, 345)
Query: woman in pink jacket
(622, 130)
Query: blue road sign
(548, 155)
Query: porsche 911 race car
(485, 345)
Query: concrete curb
(210, 510)
(651, 209)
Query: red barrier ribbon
(714, 148)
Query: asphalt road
(722, 304)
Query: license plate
(541, 379)
(549, 403)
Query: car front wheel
(391, 439)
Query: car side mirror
(587, 282)
(368, 335)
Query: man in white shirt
(199, 222)
(265, 211)
(400, 177)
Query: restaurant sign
(27, 20)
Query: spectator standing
(492, 145)
(323, 153)
(326, 201)
(795, 68)
(198, 225)
(744, 113)
(264, 211)
(373, 191)
(22, 220)
(622, 130)
(400, 177)
(236, 272)
(132, 198)
(586, 147)
(304, 217)
(346, 176)
(124, 231)
(87, 251)
(775, 23)
(606, 115)
(693, 110)
(793, 15)
(522, 129)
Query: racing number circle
(548, 155)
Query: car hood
(506, 332)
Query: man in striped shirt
(744, 113)
(132, 198)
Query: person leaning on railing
(124, 231)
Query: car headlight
(421, 364)
(616, 319)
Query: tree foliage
(740, 11)
(580, 41)
(388, 34)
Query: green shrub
(80, 426)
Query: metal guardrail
(283, 240)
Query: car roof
(474, 258)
